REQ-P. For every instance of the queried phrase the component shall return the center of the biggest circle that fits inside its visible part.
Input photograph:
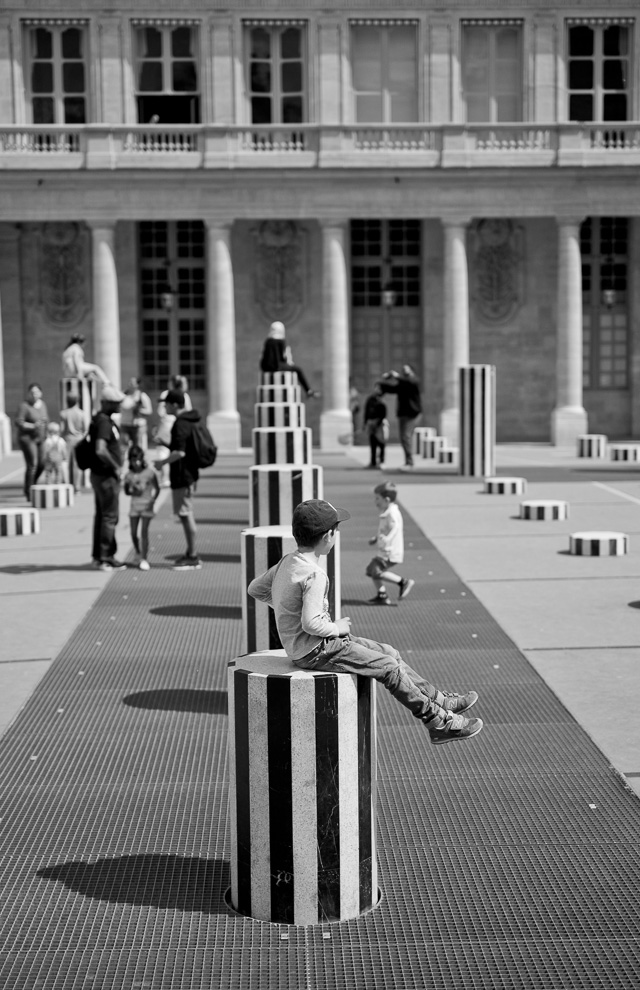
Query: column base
(5, 435)
(567, 424)
(225, 427)
(449, 426)
(335, 425)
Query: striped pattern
(279, 393)
(279, 378)
(477, 420)
(19, 522)
(448, 455)
(598, 544)
(288, 414)
(277, 445)
(430, 447)
(592, 445)
(544, 508)
(51, 496)
(624, 451)
(275, 490)
(505, 486)
(261, 548)
(85, 392)
(420, 433)
(302, 792)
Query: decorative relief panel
(64, 275)
(496, 256)
(280, 269)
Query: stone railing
(97, 146)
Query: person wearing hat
(297, 589)
(276, 356)
(74, 364)
(106, 471)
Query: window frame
(57, 60)
(493, 26)
(597, 90)
(277, 26)
(385, 92)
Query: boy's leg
(133, 522)
(144, 537)
(189, 527)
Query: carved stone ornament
(280, 267)
(497, 269)
(63, 275)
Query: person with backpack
(104, 460)
(191, 448)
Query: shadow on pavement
(199, 611)
(180, 700)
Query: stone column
(223, 418)
(5, 425)
(455, 352)
(106, 316)
(569, 418)
(335, 419)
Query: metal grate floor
(508, 863)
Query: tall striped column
(280, 378)
(477, 420)
(276, 489)
(289, 414)
(261, 548)
(281, 445)
(302, 792)
(86, 392)
(279, 393)
(420, 433)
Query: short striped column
(279, 445)
(302, 792)
(592, 445)
(276, 489)
(505, 486)
(287, 378)
(287, 414)
(279, 393)
(419, 434)
(624, 451)
(430, 447)
(598, 544)
(51, 496)
(19, 522)
(477, 420)
(261, 548)
(448, 455)
(544, 508)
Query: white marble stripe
(233, 817)
(303, 774)
(348, 789)
(279, 393)
(279, 378)
(374, 791)
(259, 797)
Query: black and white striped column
(430, 447)
(261, 548)
(624, 451)
(288, 414)
(544, 508)
(287, 378)
(420, 433)
(505, 486)
(51, 496)
(279, 393)
(592, 445)
(276, 489)
(19, 522)
(477, 420)
(278, 445)
(86, 392)
(302, 792)
(598, 544)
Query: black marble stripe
(274, 499)
(243, 814)
(367, 894)
(280, 799)
(327, 797)
(296, 488)
(250, 551)
(290, 458)
(274, 554)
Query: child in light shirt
(389, 543)
(54, 452)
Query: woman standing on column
(31, 423)
(276, 356)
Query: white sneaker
(143, 565)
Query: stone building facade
(397, 184)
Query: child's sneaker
(405, 587)
(456, 703)
(381, 599)
(143, 565)
(187, 563)
(454, 727)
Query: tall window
(384, 72)
(276, 74)
(167, 86)
(57, 76)
(605, 335)
(492, 72)
(598, 72)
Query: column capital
(570, 221)
(219, 223)
(456, 220)
(328, 223)
(105, 224)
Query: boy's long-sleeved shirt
(297, 589)
(390, 543)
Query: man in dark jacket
(183, 474)
(106, 468)
(409, 404)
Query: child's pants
(355, 655)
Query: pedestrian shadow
(43, 568)
(180, 700)
(174, 883)
(213, 558)
(634, 604)
(199, 611)
(240, 523)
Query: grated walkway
(507, 863)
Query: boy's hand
(344, 626)
(372, 540)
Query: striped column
(592, 445)
(544, 508)
(505, 486)
(430, 447)
(477, 420)
(86, 392)
(261, 548)
(302, 792)
(287, 378)
(51, 496)
(275, 490)
(279, 393)
(598, 544)
(624, 451)
(420, 433)
(278, 445)
(19, 522)
(448, 455)
(288, 414)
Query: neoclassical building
(437, 184)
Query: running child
(390, 546)
(141, 483)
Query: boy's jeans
(355, 655)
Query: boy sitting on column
(298, 591)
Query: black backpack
(84, 451)
(204, 449)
